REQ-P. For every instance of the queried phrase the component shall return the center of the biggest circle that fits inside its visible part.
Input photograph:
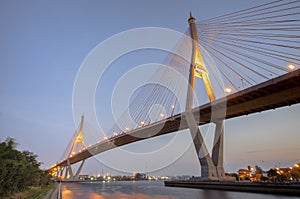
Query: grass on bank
(40, 192)
(31, 193)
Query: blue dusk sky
(43, 44)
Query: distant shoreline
(70, 181)
(292, 189)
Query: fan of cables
(255, 44)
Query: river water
(149, 189)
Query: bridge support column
(218, 149)
(61, 172)
(69, 175)
(69, 170)
(208, 169)
(66, 173)
(76, 177)
(57, 173)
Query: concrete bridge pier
(218, 149)
(208, 169)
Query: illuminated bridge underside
(278, 92)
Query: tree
(18, 170)
(295, 173)
(258, 173)
(273, 175)
(263, 178)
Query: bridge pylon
(77, 144)
(211, 167)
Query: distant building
(184, 177)
(139, 176)
(244, 174)
(83, 177)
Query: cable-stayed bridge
(256, 55)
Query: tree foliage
(19, 170)
(258, 173)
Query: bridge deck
(278, 92)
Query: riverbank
(32, 193)
(252, 187)
(54, 193)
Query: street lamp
(242, 80)
(142, 123)
(173, 107)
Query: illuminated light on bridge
(115, 134)
(142, 123)
(105, 138)
(228, 90)
(162, 115)
(127, 129)
(291, 66)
